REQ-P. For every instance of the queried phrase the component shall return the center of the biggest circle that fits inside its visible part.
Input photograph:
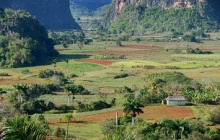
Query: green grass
(78, 114)
(206, 57)
(175, 65)
(85, 131)
(80, 67)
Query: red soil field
(97, 61)
(120, 52)
(151, 113)
(14, 81)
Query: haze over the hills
(53, 14)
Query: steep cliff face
(53, 14)
(208, 8)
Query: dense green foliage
(21, 128)
(23, 40)
(66, 38)
(139, 19)
(162, 130)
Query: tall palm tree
(132, 107)
(54, 65)
(67, 63)
(22, 91)
(68, 117)
(68, 90)
(22, 128)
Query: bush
(25, 71)
(172, 67)
(59, 132)
(108, 126)
(48, 73)
(98, 105)
(189, 38)
(215, 115)
(51, 106)
(4, 74)
(121, 76)
(36, 106)
(72, 75)
(87, 41)
(118, 42)
(65, 108)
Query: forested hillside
(141, 19)
(159, 16)
(23, 40)
(53, 14)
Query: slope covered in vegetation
(23, 40)
(140, 19)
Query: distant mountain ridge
(53, 14)
(87, 7)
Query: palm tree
(176, 128)
(68, 90)
(68, 117)
(54, 65)
(132, 107)
(22, 128)
(67, 62)
(22, 91)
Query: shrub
(215, 115)
(65, 108)
(25, 71)
(121, 76)
(36, 106)
(98, 105)
(149, 67)
(118, 42)
(172, 67)
(59, 132)
(81, 107)
(72, 75)
(87, 41)
(49, 73)
(108, 126)
(51, 106)
(46, 73)
(4, 74)
(189, 38)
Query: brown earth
(151, 113)
(97, 61)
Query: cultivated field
(139, 60)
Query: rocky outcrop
(209, 8)
(53, 14)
